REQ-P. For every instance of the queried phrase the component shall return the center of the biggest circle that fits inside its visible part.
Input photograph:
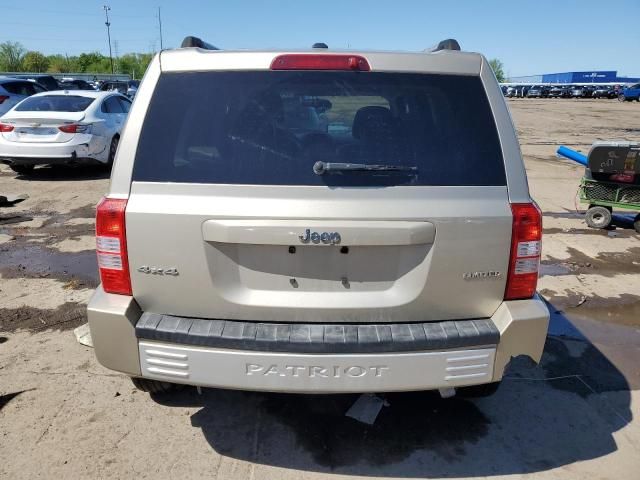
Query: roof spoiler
(196, 42)
(448, 44)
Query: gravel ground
(63, 415)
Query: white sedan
(63, 127)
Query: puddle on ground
(610, 334)
(607, 264)
(88, 211)
(413, 421)
(35, 261)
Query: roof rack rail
(448, 44)
(197, 43)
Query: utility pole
(108, 24)
(160, 25)
(116, 53)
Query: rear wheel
(636, 223)
(598, 217)
(155, 386)
(622, 98)
(113, 148)
(22, 169)
(478, 391)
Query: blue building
(598, 76)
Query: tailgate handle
(301, 232)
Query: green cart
(603, 197)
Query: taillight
(111, 246)
(3, 98)
(526, 244)
(6, 128)
(306, 61)
(74, 128)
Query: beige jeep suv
(317, 221)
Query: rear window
(55, 103)
(271, 127)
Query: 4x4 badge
(157, 270)
(329, 238)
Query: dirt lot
(63, 416)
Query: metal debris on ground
(11, 200)
(366, 408)
(83, 335)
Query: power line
(68, 13)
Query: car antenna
(195, 42)
(447, 44)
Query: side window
(20, 88)
(125, 104)
(112, 105)
(38, 88)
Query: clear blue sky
(529, 36)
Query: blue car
(630, 93)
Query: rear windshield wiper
(320, 168)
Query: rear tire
(478, 391)
(155, 386)
(622, 98)
(636, 223)
(113, 148)
(598, 217)
(22, 169)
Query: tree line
(15, 58)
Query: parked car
(630, 93)
(581, 91)
(111, 86)
(46, 81)
(76, 85)
(560, 91)
(132, 88)
(14, 90)
(396, 250)
(62, 127)
(603, 91)
(538, 91)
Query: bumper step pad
(317, 338)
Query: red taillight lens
(526, 244)
(68, 128)
(111, 246)
(302, 61)
(3, 98)
(6, 128)
(73, 128)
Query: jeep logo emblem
(328, 238)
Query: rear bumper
(84, 149)
(463, 355)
